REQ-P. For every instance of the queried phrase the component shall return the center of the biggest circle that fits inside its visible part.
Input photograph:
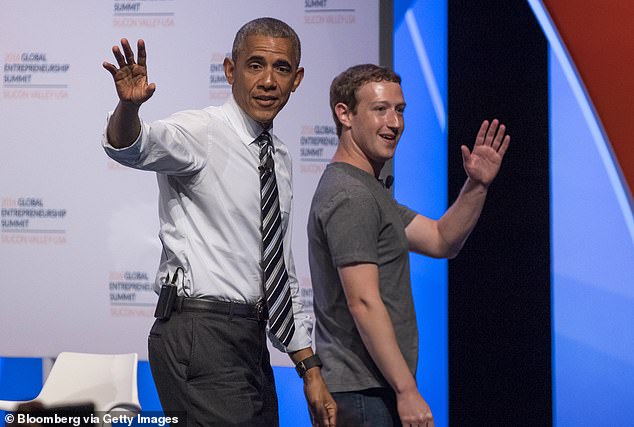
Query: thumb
(465, 153)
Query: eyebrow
(386, 102)
(278, 62)
(283, 62)
(255, 58)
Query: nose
(267, 80)
(393, 119)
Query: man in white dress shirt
(208, 354)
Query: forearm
(377, 332)
(124, 125)
(321, 405)
(376, 329)
(455, 226)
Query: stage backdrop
(592, 182)
(78, 242)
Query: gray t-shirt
(354, 219)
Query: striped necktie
(276, 287)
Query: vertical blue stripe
(20, 379)
(592, 250)
(592, 270)
(420, 171)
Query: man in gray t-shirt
(359, 239)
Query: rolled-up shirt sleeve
(177, 145)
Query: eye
(254, 66)
(283, 68)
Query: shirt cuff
(302, 337)
(126, 155)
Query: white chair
(109, 381)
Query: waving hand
(131, 77)
(483, 162)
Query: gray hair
(269, 27)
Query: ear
(343, 114)
(299, 76)
(229, 66)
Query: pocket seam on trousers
(192, 346)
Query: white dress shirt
(206, 163)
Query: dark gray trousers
(215, 368)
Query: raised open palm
(130, 77)
(482, 164)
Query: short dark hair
(269, 27)
(344, 87)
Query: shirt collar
(246, 128)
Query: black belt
(248, 311)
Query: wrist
(476, 186)
(305, 366)
(129, 107)
(312, 376)
(406, 387)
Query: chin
(259, 117)
(388, 153)
(264, 116)
(265, 119)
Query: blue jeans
(374, 407)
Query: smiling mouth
(391, 137)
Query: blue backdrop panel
(20, 379)
(420, 170)
(592, 270)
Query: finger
(141, 56)
(127, 50)
(149, 90)
(482, 133)
(118, 56)
(324, 420)
(314, 421)
(111, 68)
(325, 416)
(498, 138)
(465, 153)
(318, 415)
(491, 132)
(505, 145)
